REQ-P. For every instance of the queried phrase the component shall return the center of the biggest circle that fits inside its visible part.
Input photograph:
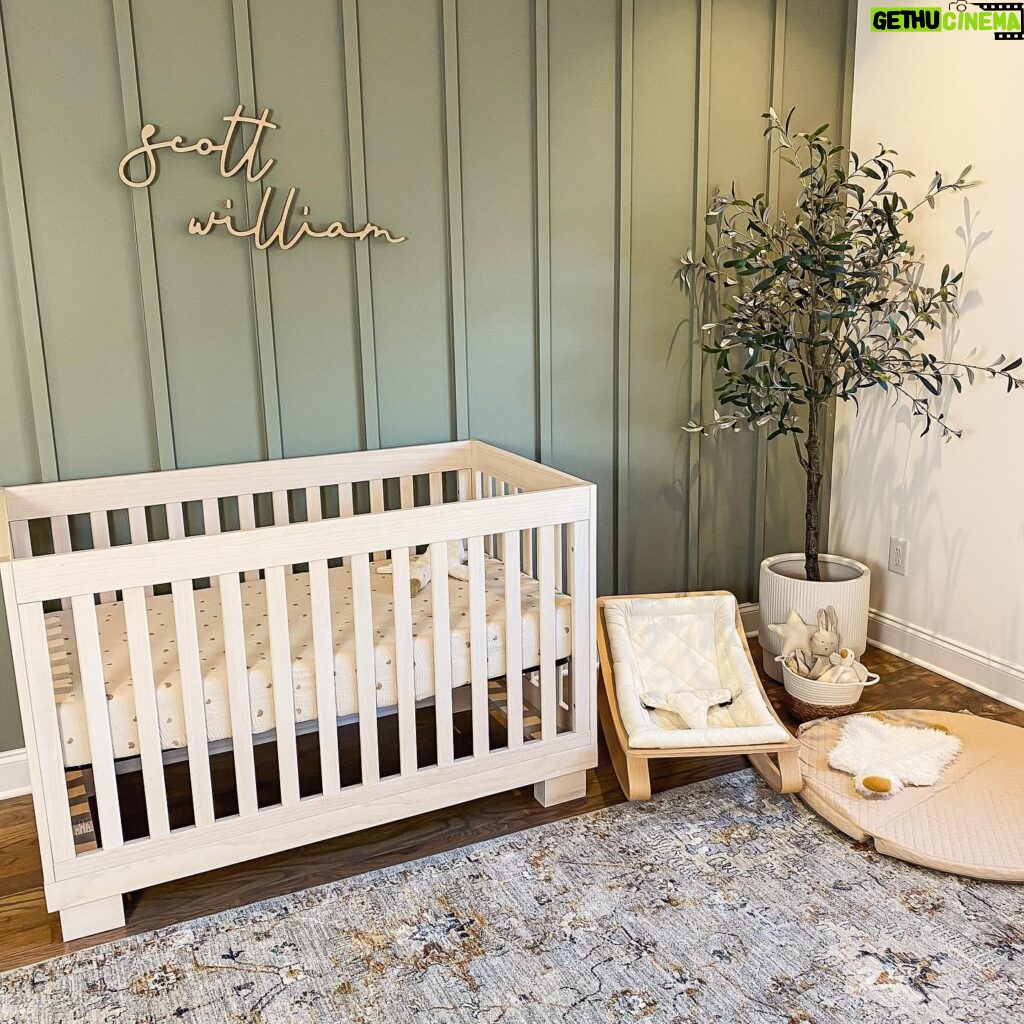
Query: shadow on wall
(907, 465)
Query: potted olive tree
(814, 305)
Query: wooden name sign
(265, 230)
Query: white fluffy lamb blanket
(883, 758)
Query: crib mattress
(117, 671)
(677, 644)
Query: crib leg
(89, 918)
(560, 790)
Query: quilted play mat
(971, 822)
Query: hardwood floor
(28, 934)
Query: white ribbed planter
(846, 585)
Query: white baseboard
(980, 671)
(749, 614)
(13, 773)
(975, 669)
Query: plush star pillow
(795, 634)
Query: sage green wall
(548, 160)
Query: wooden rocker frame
(777, 763)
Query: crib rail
(54, 577)
(534, 720)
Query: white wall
(945, 100)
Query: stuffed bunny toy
(824, 640)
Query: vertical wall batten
(623, 233)
(456, 241)
(845, 116)
(24, 271)
(771, 177)
(258, 260)
(360, 215)
(542, 193)
(700, 199)
(142, 214)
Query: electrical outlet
(899, 555)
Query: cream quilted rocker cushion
(680, 644)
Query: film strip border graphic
(1018, 7)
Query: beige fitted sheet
(118, 677)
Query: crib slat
(439, 598)
(407, 492)
(46, 731)
(582, 636)
(403, 662)
(559, 560)
(211, 524)
(139, 529)
(505, 488)
(97, 718)
(175, 520)
(194, 700)
(546, 583)
(366, 681)
(478, 644)
(21, 539)
(211, 517)
(284, 689)
(314, 505)
(465, 484)
(247, 521)
(480, 491)
(282, 517)
(377, 505)
(346, 508)
(513, 640)
(140, 658)
(238, 692)
(60, 530)
(100, 542)
(137, 524)
(527, 547)
(323, 658)
(436, 489)
(496, 489)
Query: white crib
(229, 623)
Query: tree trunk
(812, 511)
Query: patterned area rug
(715, 902)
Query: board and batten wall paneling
(739, 85)
(70, 130)
(496, 110)
(401, 49)
(582, 104)
(666, 59)
(206, 285)
(299, 66)
(549, 160)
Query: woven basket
(810, 699)
(804, 712)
